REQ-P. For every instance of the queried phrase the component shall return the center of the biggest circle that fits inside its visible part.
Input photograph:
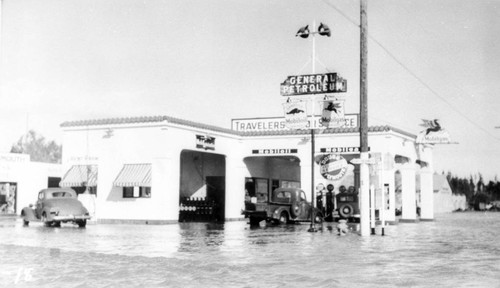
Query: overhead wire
(409, 71)
(470, 96)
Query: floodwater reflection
(456, 250)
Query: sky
(211, 61)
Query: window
(290, 184)
(145, 192)
(302, 196)
(284, 194)
(53, 182)
(258, 188)
(275, 183)
(136, 192)
(8, 197)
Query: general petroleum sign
(313, 84)
(333, 167)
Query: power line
(432, 33)
(431, 89)
(414, 75)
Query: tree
(478, 199)
(480, 184)
(38, 148)
(448, 176)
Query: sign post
(313, 84)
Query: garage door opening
(202, 187)
(270, 172)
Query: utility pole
(364, 192)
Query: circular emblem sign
(333, 167)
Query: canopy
(80, 175)
(134, 175)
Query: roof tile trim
(151, 119)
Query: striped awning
(134, 175)
(80, 175)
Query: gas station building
(161, 169)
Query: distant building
(443, 196)
(21, 180)
(444, 199)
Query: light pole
(304, 32)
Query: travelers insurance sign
(278, 123)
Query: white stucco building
(21, 180)
(156, 169)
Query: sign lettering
(14, 157)
(205, 142)
(333, 167)
(340, 150)
(295, 115)
(313, 84)
(274, 151)
(333, 113)
(279, 123)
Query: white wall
(161, 144)
(31, 177)
(158, 144)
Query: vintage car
(348, 207)
(56, 205)
(285, 205)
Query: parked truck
(285, 205)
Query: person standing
(319, 202)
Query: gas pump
(330, 202)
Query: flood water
(456, 250)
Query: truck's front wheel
(283, 218)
